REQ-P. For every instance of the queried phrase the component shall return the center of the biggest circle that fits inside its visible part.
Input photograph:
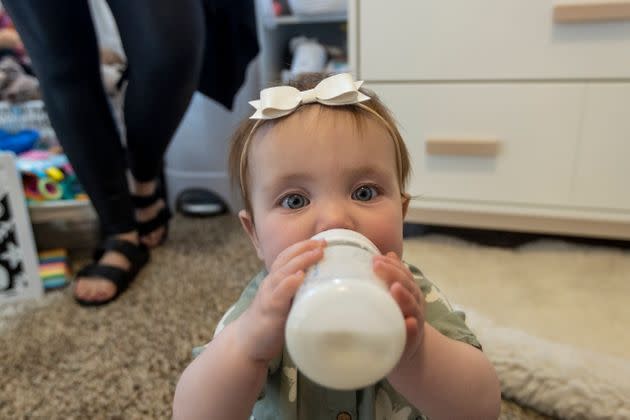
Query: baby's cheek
(390, 244)
(273, 248)
(270, 256)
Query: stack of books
(53, 268)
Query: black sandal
(138, 256)
(160, 220)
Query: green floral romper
(288, 395)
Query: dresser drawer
(526, 135)
(602, 175)
(413, 40)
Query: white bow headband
(339, 89)
(276, 102)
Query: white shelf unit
(274, 33)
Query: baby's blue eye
(364, 193)
(294, 201)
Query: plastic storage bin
(197, 157)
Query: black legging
(163, 41)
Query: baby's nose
(335, 216)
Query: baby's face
(317, 171)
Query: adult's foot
(151, 212)
(98, 289)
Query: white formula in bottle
(344, 330)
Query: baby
(323, 154)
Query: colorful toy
(53, 268)
(48, 176)
(18, 142)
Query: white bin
(197, 157)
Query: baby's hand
(262, 324)
(407, 294)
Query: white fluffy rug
(552, 316)
(556, 379)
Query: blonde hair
(374, 108)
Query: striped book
(53, 268)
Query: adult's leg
(61, 42)
(60, 39)
(163, 42)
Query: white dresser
(514, 118)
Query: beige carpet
(60, 361)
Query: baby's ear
(248, 225)
(406, 199)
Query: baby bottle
(344, 330)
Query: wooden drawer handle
(462, 147)
(591, 11)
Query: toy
(18, 142)
(47, 176)
(53, 268)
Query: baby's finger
(299, 262)
(395, 259)
(393, 256)
(408, 280)
(405, 300)
(385, 270)
(391, 270)
(285, 291)
(413, 334)
(296, 249)
(411, 325)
